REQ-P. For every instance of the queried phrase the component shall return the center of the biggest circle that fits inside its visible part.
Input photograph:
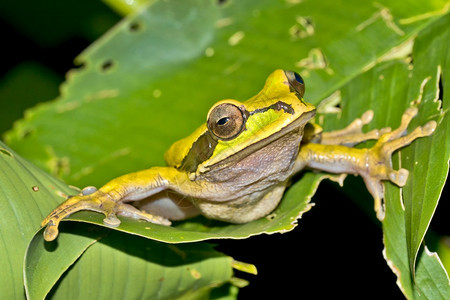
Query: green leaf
(425, 185)
(391, 87)
(427, 160)
(167, 64)
(26, 194)
(431, 280)
(45, 263)
(163, 271)
(105, 142)
(26, 191)
(179, 57)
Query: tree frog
(236, 166)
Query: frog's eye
(226, 121)
(296, 83)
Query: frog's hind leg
(98, 202)
(381, 154)
(352, 134)
(75, 204)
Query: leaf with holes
(152, 78)
(25, 193)
(431, 73)
(392, 87)
(200, 53)
(108, 139)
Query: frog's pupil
(223, 121)
(298, 78)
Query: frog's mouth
(297, 124)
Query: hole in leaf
(5, 152)
(303, 27)
(271, 217)
(60, 166)
(441, 88)
(26, 133)
(135, 26)
(107, 66)
(79, 65)
(221, 2)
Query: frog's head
(233, 126)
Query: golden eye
(296, 83)
(226, 121)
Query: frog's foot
(352, 134)
(379, 164)
(98, 202)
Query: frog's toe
(111, 220)
(376, 189)
(407, 116)
(385, 130)
(367, 117)
(393, 144)
(51, 231)
(88, 190)
(399, 177)
(380, 211)
(65, 209)
(411, 112)
(429, 127)
(55, 217)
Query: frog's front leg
(373, 164)
(111, 198)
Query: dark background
(336, 248)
